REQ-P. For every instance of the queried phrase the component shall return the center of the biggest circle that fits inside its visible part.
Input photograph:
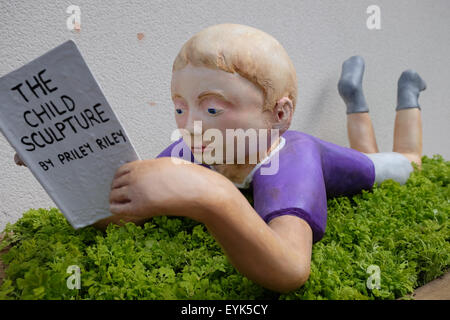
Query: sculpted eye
(212, 110)
(179, 111)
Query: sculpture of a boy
(231, 76)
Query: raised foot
(410, 78)
(410, 84)
(350, 85)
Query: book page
(54, 114)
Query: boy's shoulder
(299, 142)
(296, 136)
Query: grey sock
(350, 85)
(409, 86)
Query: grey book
(55, 115)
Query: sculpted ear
(282, 114)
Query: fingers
(122, 209)
(119, 196)
(121, 181)
(121, 171)
(121, 176)
(119, 202)
(124, 169)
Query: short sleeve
(294, 186)
(175, 149)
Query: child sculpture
(233, 76)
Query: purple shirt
(310, 170)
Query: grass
(401, 229)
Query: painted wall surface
(130, 47)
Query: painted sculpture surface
(231, 76)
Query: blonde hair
(252, 53)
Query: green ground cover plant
(402, 229)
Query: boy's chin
(203, 158)
(208, 159)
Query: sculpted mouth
(198, 148)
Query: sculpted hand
(148, 188)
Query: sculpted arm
(276, 255)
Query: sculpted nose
(193, 128)
(194, 124)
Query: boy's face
(218, 99)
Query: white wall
(318, 35)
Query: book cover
(54, 114)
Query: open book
(54, 114)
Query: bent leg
(360, 131)
(408, 134)
(361, 135)
(408, 118)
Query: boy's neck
(238, 172)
